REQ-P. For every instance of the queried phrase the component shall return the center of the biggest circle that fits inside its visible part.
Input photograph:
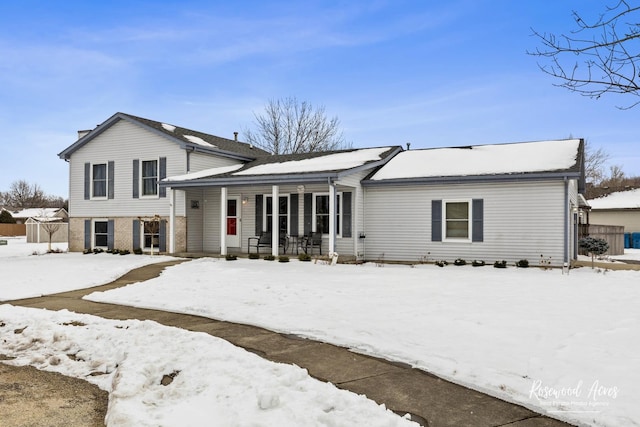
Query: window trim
(339, 208)
(467, 239)
(265, 216)
(141, 179)
(106, 181)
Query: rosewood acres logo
(591, 397)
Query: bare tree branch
(608, 52)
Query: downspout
(566, 223)
(332, 216)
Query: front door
(233, 222)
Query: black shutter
(436, 220)
(87, 182)
(110, 177)
(258, 214)
(136, 234)
(163, 174)
(346, 214)
(308, 213)
(87, 234)
(136, 178)
(293, 214)
(477, 225)
(162, 235)
(110, 230)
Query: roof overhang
(235, 179)
(230, 181)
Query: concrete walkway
(431, 401)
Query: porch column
(275, 212)
(223, 220)
(172, 220)
(332, 217)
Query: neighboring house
(621, 208)
(21, 216)
(134, 182)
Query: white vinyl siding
(199, 161)
(195, 219)
(521, 220)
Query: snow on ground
(27, 270)
(213, 382)
(566, 345)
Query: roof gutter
(538, 176)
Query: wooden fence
(13, 230)
(613, 234)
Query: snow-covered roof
(332, 161)
(34, 213)
(205, 173)
(629, 199)
(283, 165)
(497, 159)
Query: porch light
(245, 199)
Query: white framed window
(283, 213)
(149, 178)
(100, 233)
(99, 179)
(321, 213)
(456, 224)
(150, 235)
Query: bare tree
(594, 164)
(608, 49)
(23, 195)
(288, 126)
(50, 227)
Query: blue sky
(429, 73)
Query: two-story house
(136, 183)
(114, 170)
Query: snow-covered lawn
(27, 270)
(567, 345)
(213, 382)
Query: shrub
(304, 257)
(230, 257)
(283, 258)
(137, 251)
(254, 256)
(594, 246)
(459, 261)
(500, 264)
(477, 263)
(441, 263)
(98, 251)
(269, 258)
(523, 263)
(124, 251)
